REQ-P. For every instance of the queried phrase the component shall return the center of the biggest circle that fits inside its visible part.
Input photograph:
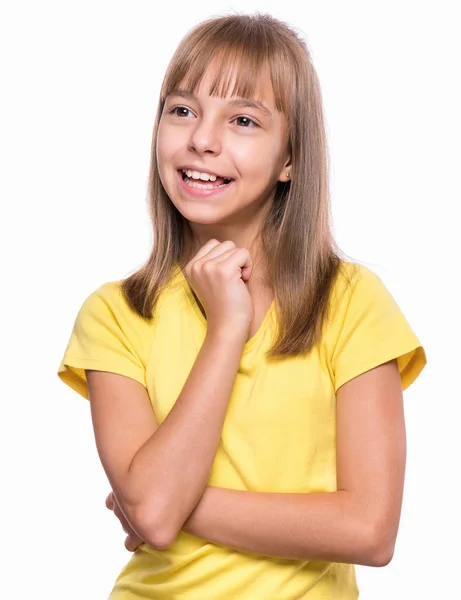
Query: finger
(206, 248)
(132, 542)
(121, 517)
(225, 255)
(218, 250)
(129, 544)
(110, 502)
(126, 525)
(237, 254)
(217, 254)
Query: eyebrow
(236, 101)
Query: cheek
(251, 156)
(162, 148)
(256, 163)
(163, 156)
(166, 151)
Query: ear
(285, 174)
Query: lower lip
(202, 192)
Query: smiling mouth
(220, 181)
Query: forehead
(212, 83)
(227, 76)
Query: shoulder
(367, 327)
(106, 311)
(109, 292)
(353, 272)
(108, 335)
(353, 280)
(358, 296)
(109, 297)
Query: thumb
(246, 272)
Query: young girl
(246, 383)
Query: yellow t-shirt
(279, 430)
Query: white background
(80, 83)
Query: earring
(288, 174)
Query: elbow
(160, 540)
(155, 529)
(380, 547)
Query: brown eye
(246, 122)
(183, 110)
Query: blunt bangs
(238, 61)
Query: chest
(280, 425)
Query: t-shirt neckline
(196, 309)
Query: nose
(205, 137)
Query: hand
(132, 540)
(218, 274)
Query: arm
(356, 524)
(159, 472)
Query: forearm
(328, 526)
(170, 471)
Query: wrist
(229, 332)
(189, 523)
(192, 523)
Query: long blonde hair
(302, 257)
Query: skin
(240, 142)
(132, 540)
(358, 523)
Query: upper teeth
(198, 175)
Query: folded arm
(158, 471)
(356, 524)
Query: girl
(246, 383)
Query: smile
(196, 186)
(189, 175)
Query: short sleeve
(372, 331)
(107, 336)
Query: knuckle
(208, 267)
(242, 251)
(223, 271)
(195, 267)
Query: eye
(247, 121)
(181, 108)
